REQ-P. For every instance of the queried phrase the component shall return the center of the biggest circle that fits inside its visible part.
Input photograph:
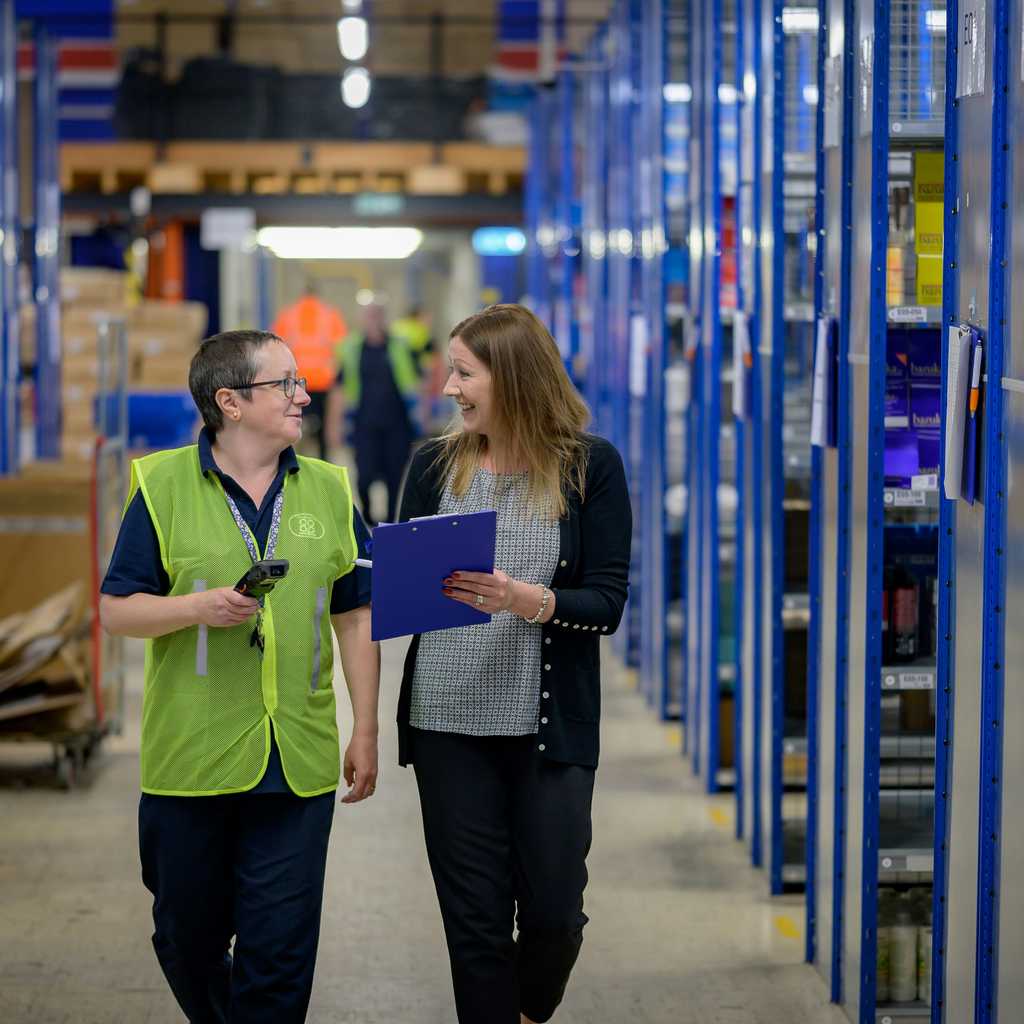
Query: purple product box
(929, 451)
(897, 405)
(923, 357)
(901, 457)
(925, 406)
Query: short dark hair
(225, 360)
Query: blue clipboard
(410, 560)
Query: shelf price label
(904, 497)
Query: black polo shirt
(136, 568)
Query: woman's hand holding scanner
(223, 607)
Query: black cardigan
(590, 586)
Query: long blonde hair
(535, 404)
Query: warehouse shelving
(9, 232)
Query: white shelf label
(925, 482)
(902, 497)
(971, 56)
(917, 680)
(909, 314)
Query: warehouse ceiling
(297, 35)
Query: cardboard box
(929, 280)
(77, 417)
(27, 334)
(78, 446)
(162, 373)
(928, 228)
(155, 343)
(93, 286)
(186, 317)
(44, 533)
(929, 176)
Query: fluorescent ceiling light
(355, 6)
(303, 243)
(353, 38)
(677, 92)
(935, 20)
(355, 87)
(727, 93)
(799, 19)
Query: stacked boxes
(928, 212)
(162, 337)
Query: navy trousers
(507, 836)
(248, 866)
(381, 453)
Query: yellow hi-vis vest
(210, 699)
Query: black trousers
(507, 836)
(381, 453)
(249, 866)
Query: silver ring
(480, 599)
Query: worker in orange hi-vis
(312, 329)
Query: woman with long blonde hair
(500, 720)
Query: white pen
(363, 563)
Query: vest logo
(306, 527)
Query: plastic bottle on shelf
(884, 935)
(903, 954)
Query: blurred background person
(377, 400)
(313, 329)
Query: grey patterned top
(484, 680)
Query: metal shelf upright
(10, 369)
(46, 231)
(711, 554)
(664, 205)
(627, 324)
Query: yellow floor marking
(674, 735)
(719, 817)
(787, 927)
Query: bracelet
(545, 595)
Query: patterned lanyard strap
(256, 640)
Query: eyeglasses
(286, 384)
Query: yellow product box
(929, 280)
(928, 229)
(928, 177)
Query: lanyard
(256, 640)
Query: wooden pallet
(417, 168)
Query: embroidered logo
(306, 527)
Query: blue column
(9, 351)
(46, 269)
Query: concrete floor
(681, 930)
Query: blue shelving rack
(977, 908)
(10, 369)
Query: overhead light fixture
(355, 87)
(677, 92)
(353, 38)
(798, 20)
(497, 241)
(727, 94)
(935, 20)
(353, 6)
(308, 243)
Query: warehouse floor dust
(681, 930)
